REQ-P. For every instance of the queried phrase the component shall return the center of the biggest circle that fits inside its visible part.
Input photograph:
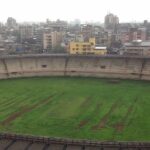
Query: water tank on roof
(136, 42)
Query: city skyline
(69, 10)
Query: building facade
(86, 48)
(111, 21)
(51, 40)
(11, 22)
(137, 47)
(26, 32)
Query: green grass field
(83, 108)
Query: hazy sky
(85, 10)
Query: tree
(59, 49)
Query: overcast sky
(85, 10)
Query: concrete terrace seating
(124, 67)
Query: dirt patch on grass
(86, 121)
(105, 118)
(24, 110)
(45, 101)
(85, 104)
(83, 123)
(119, 127)
(15, 115)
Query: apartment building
(87, 48)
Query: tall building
(111, 21)
(87, 31)
(57, 25)
(11, 22)
(38, 34)
(26, 32)
(51, 40)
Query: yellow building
(86, 48)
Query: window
(103, 67)
(44, 66)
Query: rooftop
(138, 43)
(100, 47)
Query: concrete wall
(61, 65)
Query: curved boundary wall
(64, 65)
